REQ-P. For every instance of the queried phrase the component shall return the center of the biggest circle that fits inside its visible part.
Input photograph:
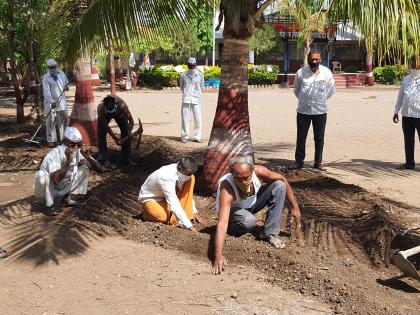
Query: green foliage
(204, 29)
(101, 63)
(261, 75)
(157, 77)
(351, 69)
(185, 44)
(390, 74)
(264, 39)
(213, 72)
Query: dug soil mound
(342, 254)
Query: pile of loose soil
(341, 256)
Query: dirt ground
(78, 262)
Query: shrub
(389, 74)
(261, 75)
(158, 76)
(351, 69)
(213, 72)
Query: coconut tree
(381, 24)
(125, 19)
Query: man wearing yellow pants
(167, 195)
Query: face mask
(53, 73)
(244, 187)
(182, 177)
(314, 64)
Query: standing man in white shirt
(191, 84)
(314, 85)
(64, 172)
(167, 195)
(408, 103)
(54, 85)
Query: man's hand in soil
(395, 119)
(193, 229)
(295, 212)
(218, 263)
(199, 219)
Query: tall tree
(382, 24)
(22, 24)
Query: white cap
(51, 63)
(192, 61)
(73, 134)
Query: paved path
(363, 146)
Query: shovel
(139, 131)
(400, 260)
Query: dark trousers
(271, 195)
(318, 124)
(409, 126)
(122, 122)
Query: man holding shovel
(113, 107)
(54, 84)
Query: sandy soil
(116, 276)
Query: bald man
(241, 194)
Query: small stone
(309, 276)
(234, 295)
(315, 293)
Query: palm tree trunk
(370, 80)
(230, 135)
(84, 115)
(111, 67)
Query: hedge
(262, 75)
(165, 76)
(389, 74)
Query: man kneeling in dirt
(241, 194)
(64, 172)
(167, 195)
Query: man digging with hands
(64, 172)
(241, 194)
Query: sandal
(273, 240)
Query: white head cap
(192, 61)
(73, 134)
(51, 63)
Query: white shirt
(161, 185)
(313, 90)
(55, 159)
(408, 101)
(52, 90)
(191, 84)
(238, 202)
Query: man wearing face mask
(113, 107)
(314, 85)
(54, 84)
(241, 194)
(408, 103)
(64, 172)
(167, 195)
(191, 83)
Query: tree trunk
(370, 80)
(111, 68)
(84, 115)
(230, 135)
(21, 94)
